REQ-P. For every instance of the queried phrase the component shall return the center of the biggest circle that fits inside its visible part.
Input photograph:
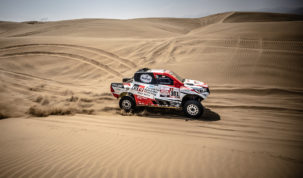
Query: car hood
(194, 83)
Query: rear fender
(123, 94)
(127, 94)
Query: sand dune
(251, 127)
(261, 17)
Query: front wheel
(193, 109)
(127, 103)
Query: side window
(144, 78)
(164, 80)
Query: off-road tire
(193, 109)
(127, 103)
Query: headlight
(199, 90)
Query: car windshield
(181, 79)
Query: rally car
(161, 88)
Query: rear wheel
(127, 103)
(193, 109)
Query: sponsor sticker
(150, 91)
(145, 91)
(139, 88)
(117, 85)
(146, 78)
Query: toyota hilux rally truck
(161, 88)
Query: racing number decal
(174, 93)
(169, 92)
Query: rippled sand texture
(252, 126)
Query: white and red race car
(161, 88)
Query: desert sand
(252, 126)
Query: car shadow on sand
(208, 114)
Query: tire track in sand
(32, 76)
(113, 56)
(253, 44)
(70, 56)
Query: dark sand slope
(252, 126)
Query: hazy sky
(25, 10)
